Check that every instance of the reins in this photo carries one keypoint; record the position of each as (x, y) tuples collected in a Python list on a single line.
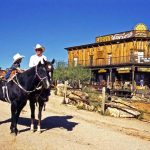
[(38, 87)]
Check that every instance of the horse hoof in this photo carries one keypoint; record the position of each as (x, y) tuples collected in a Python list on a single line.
[(32, 130), (13, 133), (38, 129), (39, 132)]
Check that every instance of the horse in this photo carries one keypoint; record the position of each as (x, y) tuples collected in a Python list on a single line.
[(40, 96), (17, 90)]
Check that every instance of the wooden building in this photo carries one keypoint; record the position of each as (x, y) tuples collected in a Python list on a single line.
[(124, 56)]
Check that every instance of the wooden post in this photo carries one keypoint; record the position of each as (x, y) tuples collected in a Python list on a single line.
[(65, 92), (103, 99), (110, 78), (133, 74)]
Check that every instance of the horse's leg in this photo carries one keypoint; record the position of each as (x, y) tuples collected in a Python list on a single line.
[(44, 106), (32, 107), (41, 104), (19, 109), (13, 126)]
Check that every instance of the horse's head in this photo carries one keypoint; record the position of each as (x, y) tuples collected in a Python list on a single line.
[(45, 72), (50, 68), (42, 75)]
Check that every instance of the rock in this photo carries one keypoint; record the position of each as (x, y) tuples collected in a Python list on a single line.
[(81, 94), (113, 112), (136, 98), (126, 113), (60, 89), (75, 97), (78, 96), (53, 92), (117, 113)]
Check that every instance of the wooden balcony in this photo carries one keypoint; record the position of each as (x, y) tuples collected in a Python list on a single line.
[(115, 61)]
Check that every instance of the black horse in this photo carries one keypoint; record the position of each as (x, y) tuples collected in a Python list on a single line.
[(18, 90), (40, 97)]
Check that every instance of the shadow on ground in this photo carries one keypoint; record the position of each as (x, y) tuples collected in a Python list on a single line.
[(47, 123)]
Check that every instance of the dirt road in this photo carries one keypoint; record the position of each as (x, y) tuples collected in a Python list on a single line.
[(67, 128)]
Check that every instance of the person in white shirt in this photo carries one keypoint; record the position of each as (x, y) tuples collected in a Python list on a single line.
[(35, 59), (41, 95)]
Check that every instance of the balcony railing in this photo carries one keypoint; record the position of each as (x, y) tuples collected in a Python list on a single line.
[(115, 61)]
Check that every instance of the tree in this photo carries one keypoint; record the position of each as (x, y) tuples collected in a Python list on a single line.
[(78, 74), (60, 72), (74, 74)]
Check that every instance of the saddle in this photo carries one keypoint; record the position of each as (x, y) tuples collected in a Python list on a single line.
[(3, 73), (5, 91)]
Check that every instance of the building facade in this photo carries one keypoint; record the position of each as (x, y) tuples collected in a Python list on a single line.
[(124, 56)]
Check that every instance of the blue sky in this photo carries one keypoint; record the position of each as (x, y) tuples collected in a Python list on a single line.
[(57, 24)]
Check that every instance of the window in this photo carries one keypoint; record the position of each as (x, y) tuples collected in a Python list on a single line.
[(109, 59), (75, 61), (140, 57), (100, 54), (91, 60)]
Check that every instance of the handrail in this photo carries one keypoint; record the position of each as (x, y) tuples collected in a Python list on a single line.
[(140, 59)]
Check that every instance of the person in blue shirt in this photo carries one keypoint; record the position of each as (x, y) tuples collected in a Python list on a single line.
[(15, 66)]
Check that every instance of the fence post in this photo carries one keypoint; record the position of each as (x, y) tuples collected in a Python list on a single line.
[(65, 92), (133, 74), (103, 99)]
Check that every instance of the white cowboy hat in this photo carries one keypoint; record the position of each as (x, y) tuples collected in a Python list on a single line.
[(17, 57), (38, 46)]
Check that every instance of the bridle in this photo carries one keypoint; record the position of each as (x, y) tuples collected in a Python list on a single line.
[(40, 78), (38, 87)]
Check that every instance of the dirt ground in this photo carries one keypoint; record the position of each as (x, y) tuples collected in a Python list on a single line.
[(67, 128)]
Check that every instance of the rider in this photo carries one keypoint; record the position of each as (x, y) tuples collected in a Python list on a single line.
[(17, 59), (35, 59)]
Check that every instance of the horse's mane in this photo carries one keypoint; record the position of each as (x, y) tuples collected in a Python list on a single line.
[(28, 70), (24, 72)]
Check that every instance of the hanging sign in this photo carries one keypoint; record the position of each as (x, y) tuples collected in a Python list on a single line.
[(144, 69), (102, 71), (124, 70)]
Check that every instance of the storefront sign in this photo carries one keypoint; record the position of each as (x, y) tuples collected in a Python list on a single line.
[(103, 39), (140, 34), (144, 69), (122, 35), (146, 60), (102, 71), (124, 70)]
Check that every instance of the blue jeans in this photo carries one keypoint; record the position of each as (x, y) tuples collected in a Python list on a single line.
[(8, 74)]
